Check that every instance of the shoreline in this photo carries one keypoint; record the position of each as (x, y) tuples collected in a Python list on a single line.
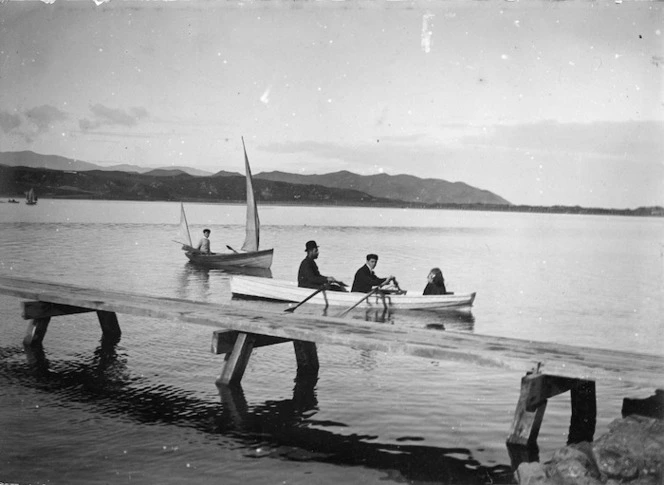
[(572, 210)]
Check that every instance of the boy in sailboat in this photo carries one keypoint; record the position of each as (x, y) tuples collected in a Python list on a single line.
[(204, 244)]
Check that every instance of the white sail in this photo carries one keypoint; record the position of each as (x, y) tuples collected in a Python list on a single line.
[(183, 236), (30, 197), (253, 225)]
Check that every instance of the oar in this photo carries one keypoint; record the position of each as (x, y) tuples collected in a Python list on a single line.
[(376, 289), (231, 248), (292, 309)]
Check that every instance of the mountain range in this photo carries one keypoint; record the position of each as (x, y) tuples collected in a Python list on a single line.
[(56, 176)]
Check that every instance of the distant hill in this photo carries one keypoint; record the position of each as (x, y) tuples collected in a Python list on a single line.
[(399, 187), (35, 160), (177, 186), (396, 188), (55, 162)]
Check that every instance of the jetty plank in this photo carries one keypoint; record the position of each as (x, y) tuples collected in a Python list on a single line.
[(521, 355)]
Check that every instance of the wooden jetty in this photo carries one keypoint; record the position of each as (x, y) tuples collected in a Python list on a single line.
[(548, 369)]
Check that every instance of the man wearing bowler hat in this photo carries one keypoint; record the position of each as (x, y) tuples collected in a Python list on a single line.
[(308, 275)]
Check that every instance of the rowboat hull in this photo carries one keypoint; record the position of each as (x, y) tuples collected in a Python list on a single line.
[(254, 259), (287, 291)]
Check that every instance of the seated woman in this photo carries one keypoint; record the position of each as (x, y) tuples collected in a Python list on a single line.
[(436, 284)]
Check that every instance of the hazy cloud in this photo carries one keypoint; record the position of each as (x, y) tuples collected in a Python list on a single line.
[(638, 140), (9, 121), (104, 116), (31, 123), (44, 116)]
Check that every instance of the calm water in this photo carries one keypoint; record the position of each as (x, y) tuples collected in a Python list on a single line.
[(147, 411)]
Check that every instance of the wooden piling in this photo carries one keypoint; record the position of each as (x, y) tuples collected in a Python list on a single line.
[(36, 330), (306, 356), (536, 389), (110, 327), (528, 419), (236, 361), (584, 412)]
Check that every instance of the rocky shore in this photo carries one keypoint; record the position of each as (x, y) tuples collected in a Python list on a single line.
[(632, 452)]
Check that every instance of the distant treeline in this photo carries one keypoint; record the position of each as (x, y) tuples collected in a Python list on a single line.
[(655, 211)]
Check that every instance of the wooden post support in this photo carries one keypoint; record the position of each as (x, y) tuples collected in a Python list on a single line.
[(223, 341), (652, 407), (234, 405), (528, 419), (41, 312), (584, 412), (536, 388), (109, 325), (41, 309), (236, 361), (36, 331), (307, 358)]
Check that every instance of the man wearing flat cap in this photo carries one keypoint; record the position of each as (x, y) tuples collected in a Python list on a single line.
[(308, 275)]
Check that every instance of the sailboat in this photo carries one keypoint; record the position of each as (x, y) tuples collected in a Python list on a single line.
[(30, 197), (251, 256)]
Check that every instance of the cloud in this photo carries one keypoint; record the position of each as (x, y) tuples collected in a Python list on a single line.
[(640, 141), (44, 116), (601, 164), (104, 116), (31, 123), (9, 121), (635, 141)]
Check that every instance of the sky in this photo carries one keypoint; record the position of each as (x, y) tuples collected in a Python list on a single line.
[(541, 102)]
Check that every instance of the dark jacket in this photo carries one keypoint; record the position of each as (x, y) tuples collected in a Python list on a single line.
[(435, 288), (365, 279), (308, 275)]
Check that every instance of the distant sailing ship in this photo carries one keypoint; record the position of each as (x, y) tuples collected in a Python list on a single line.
[(30, 197)]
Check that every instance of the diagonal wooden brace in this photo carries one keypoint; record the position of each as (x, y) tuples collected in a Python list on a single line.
[(236, 361)]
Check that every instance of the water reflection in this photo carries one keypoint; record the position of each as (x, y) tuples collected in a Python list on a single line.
[(287, 429), (194, 281), (107, 368), (458, 320), (282, 429), (241, 270), (453, 320)]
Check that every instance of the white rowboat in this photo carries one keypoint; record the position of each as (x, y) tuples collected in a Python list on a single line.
[(288, 291)]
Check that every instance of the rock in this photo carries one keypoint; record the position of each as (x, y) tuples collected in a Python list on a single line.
[(532, 474), (634, 447), (571, 471), (581, 453), (631, 453)]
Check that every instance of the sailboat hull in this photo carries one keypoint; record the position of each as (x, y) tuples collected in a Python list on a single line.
[(253, 259)]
